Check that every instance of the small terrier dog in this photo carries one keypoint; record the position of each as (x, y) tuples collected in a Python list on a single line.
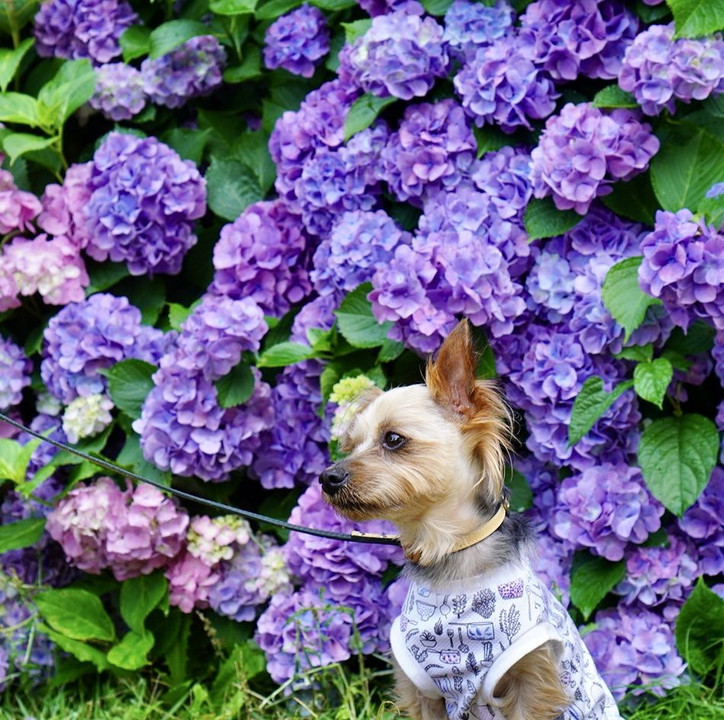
[(479, 637)]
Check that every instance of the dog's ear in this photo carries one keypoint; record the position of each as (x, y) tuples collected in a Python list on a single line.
[(451, 377)]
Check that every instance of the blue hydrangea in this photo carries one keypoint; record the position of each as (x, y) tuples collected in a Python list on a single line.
[(119, 93), (297, 40), (472, 25), (15, 371), (143, 204)]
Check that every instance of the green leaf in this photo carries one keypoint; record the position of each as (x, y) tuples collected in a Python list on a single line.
[(71, 87), (713, 210), (489, 139), (436, 7), (131, 456), (83, 651), (177, 314), (170, 35), (355, 320), (700, 629), (699, 338), (687, 165), (623, 296), (14, 459), (249, 68), (613, 97), (390, 350), (79, 614), (521, 495), (232, 187), (10, 62), (104, 275), (276, 8), (129, 383), (542, 219), (285, 353), (18, 144), (236, 387), (333, 5), (590, 404), (331, 375), (694, 18), (364, 112), (633, 199), (18, 108), (132, 651), (189, 144), (252, 149), (21, 534), (14, 14), (356, 29), (651, 380), (233, 7), (135, 42), (677, 456), (592, 578), (139, 597), (639, 353)]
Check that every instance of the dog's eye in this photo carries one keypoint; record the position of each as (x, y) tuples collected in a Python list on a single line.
[(393, 441)]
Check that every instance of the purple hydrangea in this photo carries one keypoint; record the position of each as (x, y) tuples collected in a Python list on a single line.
[(401, 55), (15, 371), (143, 204), (659, 70), (433, 148), (193, 69), (297, 40), (604, 508), (683, 265), (635, 651), (89, 336), (585, 36), (358, 244), (262, 256), (702, 523), (119, 92), (502, 85), (82, 28), (504, 176), (553, 565), (471, 25), (582, 151)]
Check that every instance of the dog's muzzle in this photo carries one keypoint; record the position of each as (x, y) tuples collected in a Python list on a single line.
[(334, 478)]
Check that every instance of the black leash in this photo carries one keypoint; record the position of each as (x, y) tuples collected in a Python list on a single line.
[(355, 536)]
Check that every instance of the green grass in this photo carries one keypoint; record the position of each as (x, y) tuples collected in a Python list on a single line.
[(362, 695)]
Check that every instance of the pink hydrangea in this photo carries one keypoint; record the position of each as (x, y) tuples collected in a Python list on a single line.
[(189, 582), (17, 207)]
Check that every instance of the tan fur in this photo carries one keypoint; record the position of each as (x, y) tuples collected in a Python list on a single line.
[(439, 487)]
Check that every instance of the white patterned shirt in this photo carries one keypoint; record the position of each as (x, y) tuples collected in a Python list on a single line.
[(459, 643)]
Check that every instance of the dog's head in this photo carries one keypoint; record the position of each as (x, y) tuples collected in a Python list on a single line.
[(422, 449)]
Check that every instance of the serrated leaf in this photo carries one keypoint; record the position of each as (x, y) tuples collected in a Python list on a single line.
[(231, 187), (694, 18), (189, 144), (18, 108), (357, 324), (21, 534), (233, 7), (613, 96), (356, 29), (19, 144), (639, 353), (542, 219), (713, 210), (139, 597), (177, 314), (364, 112), (285, 353), (129, 383), (104, 275), (248, 69), (700, 629), (592, 578), (252, 149), (170, 35), (677, 456), (590, 404), (10, 62), (521, 495), (699, 338), (687, 165), (651, 380), (489, 139), (80, 650), (276, 8), (623, 297), (132, 651), (69, 89), (390, 350), (135, 42), (633, 199), (331, 375), (14, 459), (436, 7), (236, 387), (14, 14), (78, 614), (333, 5)]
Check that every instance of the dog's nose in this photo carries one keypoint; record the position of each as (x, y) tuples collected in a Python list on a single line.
[(334, 478)]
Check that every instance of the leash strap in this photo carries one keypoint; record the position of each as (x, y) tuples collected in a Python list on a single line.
[(360, 537)]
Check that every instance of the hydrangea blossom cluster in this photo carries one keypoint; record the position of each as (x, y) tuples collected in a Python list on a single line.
[(193, 69), (470, 26), (132, 532), (659, 70), (86, 416), (400, 55), (82, 28), (635, 651), (190, 580), (261, 255), (297, 40), (143, 203), (119, 92), (684, 266), (583, 150), (604, 508), (346, 395), (15, 371), (89, 336), (17, 207), (212, 539), (433, 148)]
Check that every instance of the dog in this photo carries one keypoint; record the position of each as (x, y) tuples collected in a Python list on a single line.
[(479, 637)]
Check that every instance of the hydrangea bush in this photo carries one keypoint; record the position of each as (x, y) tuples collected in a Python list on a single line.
[(220, 222)]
